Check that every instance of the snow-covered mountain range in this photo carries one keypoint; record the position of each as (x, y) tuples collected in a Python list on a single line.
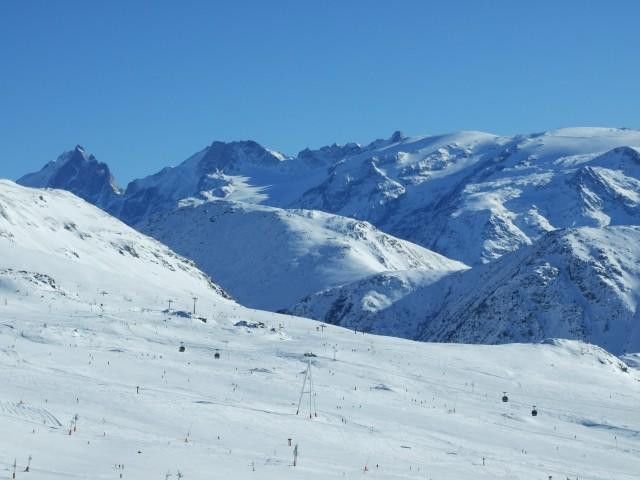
[(101, 380), (469, 196)]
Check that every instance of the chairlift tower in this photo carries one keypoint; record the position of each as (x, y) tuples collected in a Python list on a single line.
[(308, 377), (195, 299)]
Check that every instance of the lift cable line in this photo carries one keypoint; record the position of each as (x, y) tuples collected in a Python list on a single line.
[(308, 377)]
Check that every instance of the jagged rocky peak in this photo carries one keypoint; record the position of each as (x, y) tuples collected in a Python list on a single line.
[(80, 173), (397, 136), (329, 154), (225, 156), (78, 154)]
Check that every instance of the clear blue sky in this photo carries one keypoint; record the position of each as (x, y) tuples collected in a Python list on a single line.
[(143, 85)]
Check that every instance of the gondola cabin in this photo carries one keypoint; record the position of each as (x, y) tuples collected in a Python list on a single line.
[(534, 412), (505, 399)]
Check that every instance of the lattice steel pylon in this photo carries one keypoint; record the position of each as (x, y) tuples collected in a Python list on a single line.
[(313, 411)]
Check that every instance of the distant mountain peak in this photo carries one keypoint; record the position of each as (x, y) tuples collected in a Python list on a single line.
[(329, 154), (80, 173), (397, 136), (78, 155), (231, 155)]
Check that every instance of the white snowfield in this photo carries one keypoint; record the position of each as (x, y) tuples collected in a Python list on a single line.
[(270, 258), (94, 391)]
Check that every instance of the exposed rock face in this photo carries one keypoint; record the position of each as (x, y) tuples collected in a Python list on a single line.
[(80, 173)]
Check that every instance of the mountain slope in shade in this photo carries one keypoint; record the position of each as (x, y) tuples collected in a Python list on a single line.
[(578, 283), (55, 238), (80, 173), (270, 258), (374, 303), (582, 283)]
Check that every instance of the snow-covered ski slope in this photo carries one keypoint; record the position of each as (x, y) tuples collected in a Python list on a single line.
[(416, 410), (401, 409)]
